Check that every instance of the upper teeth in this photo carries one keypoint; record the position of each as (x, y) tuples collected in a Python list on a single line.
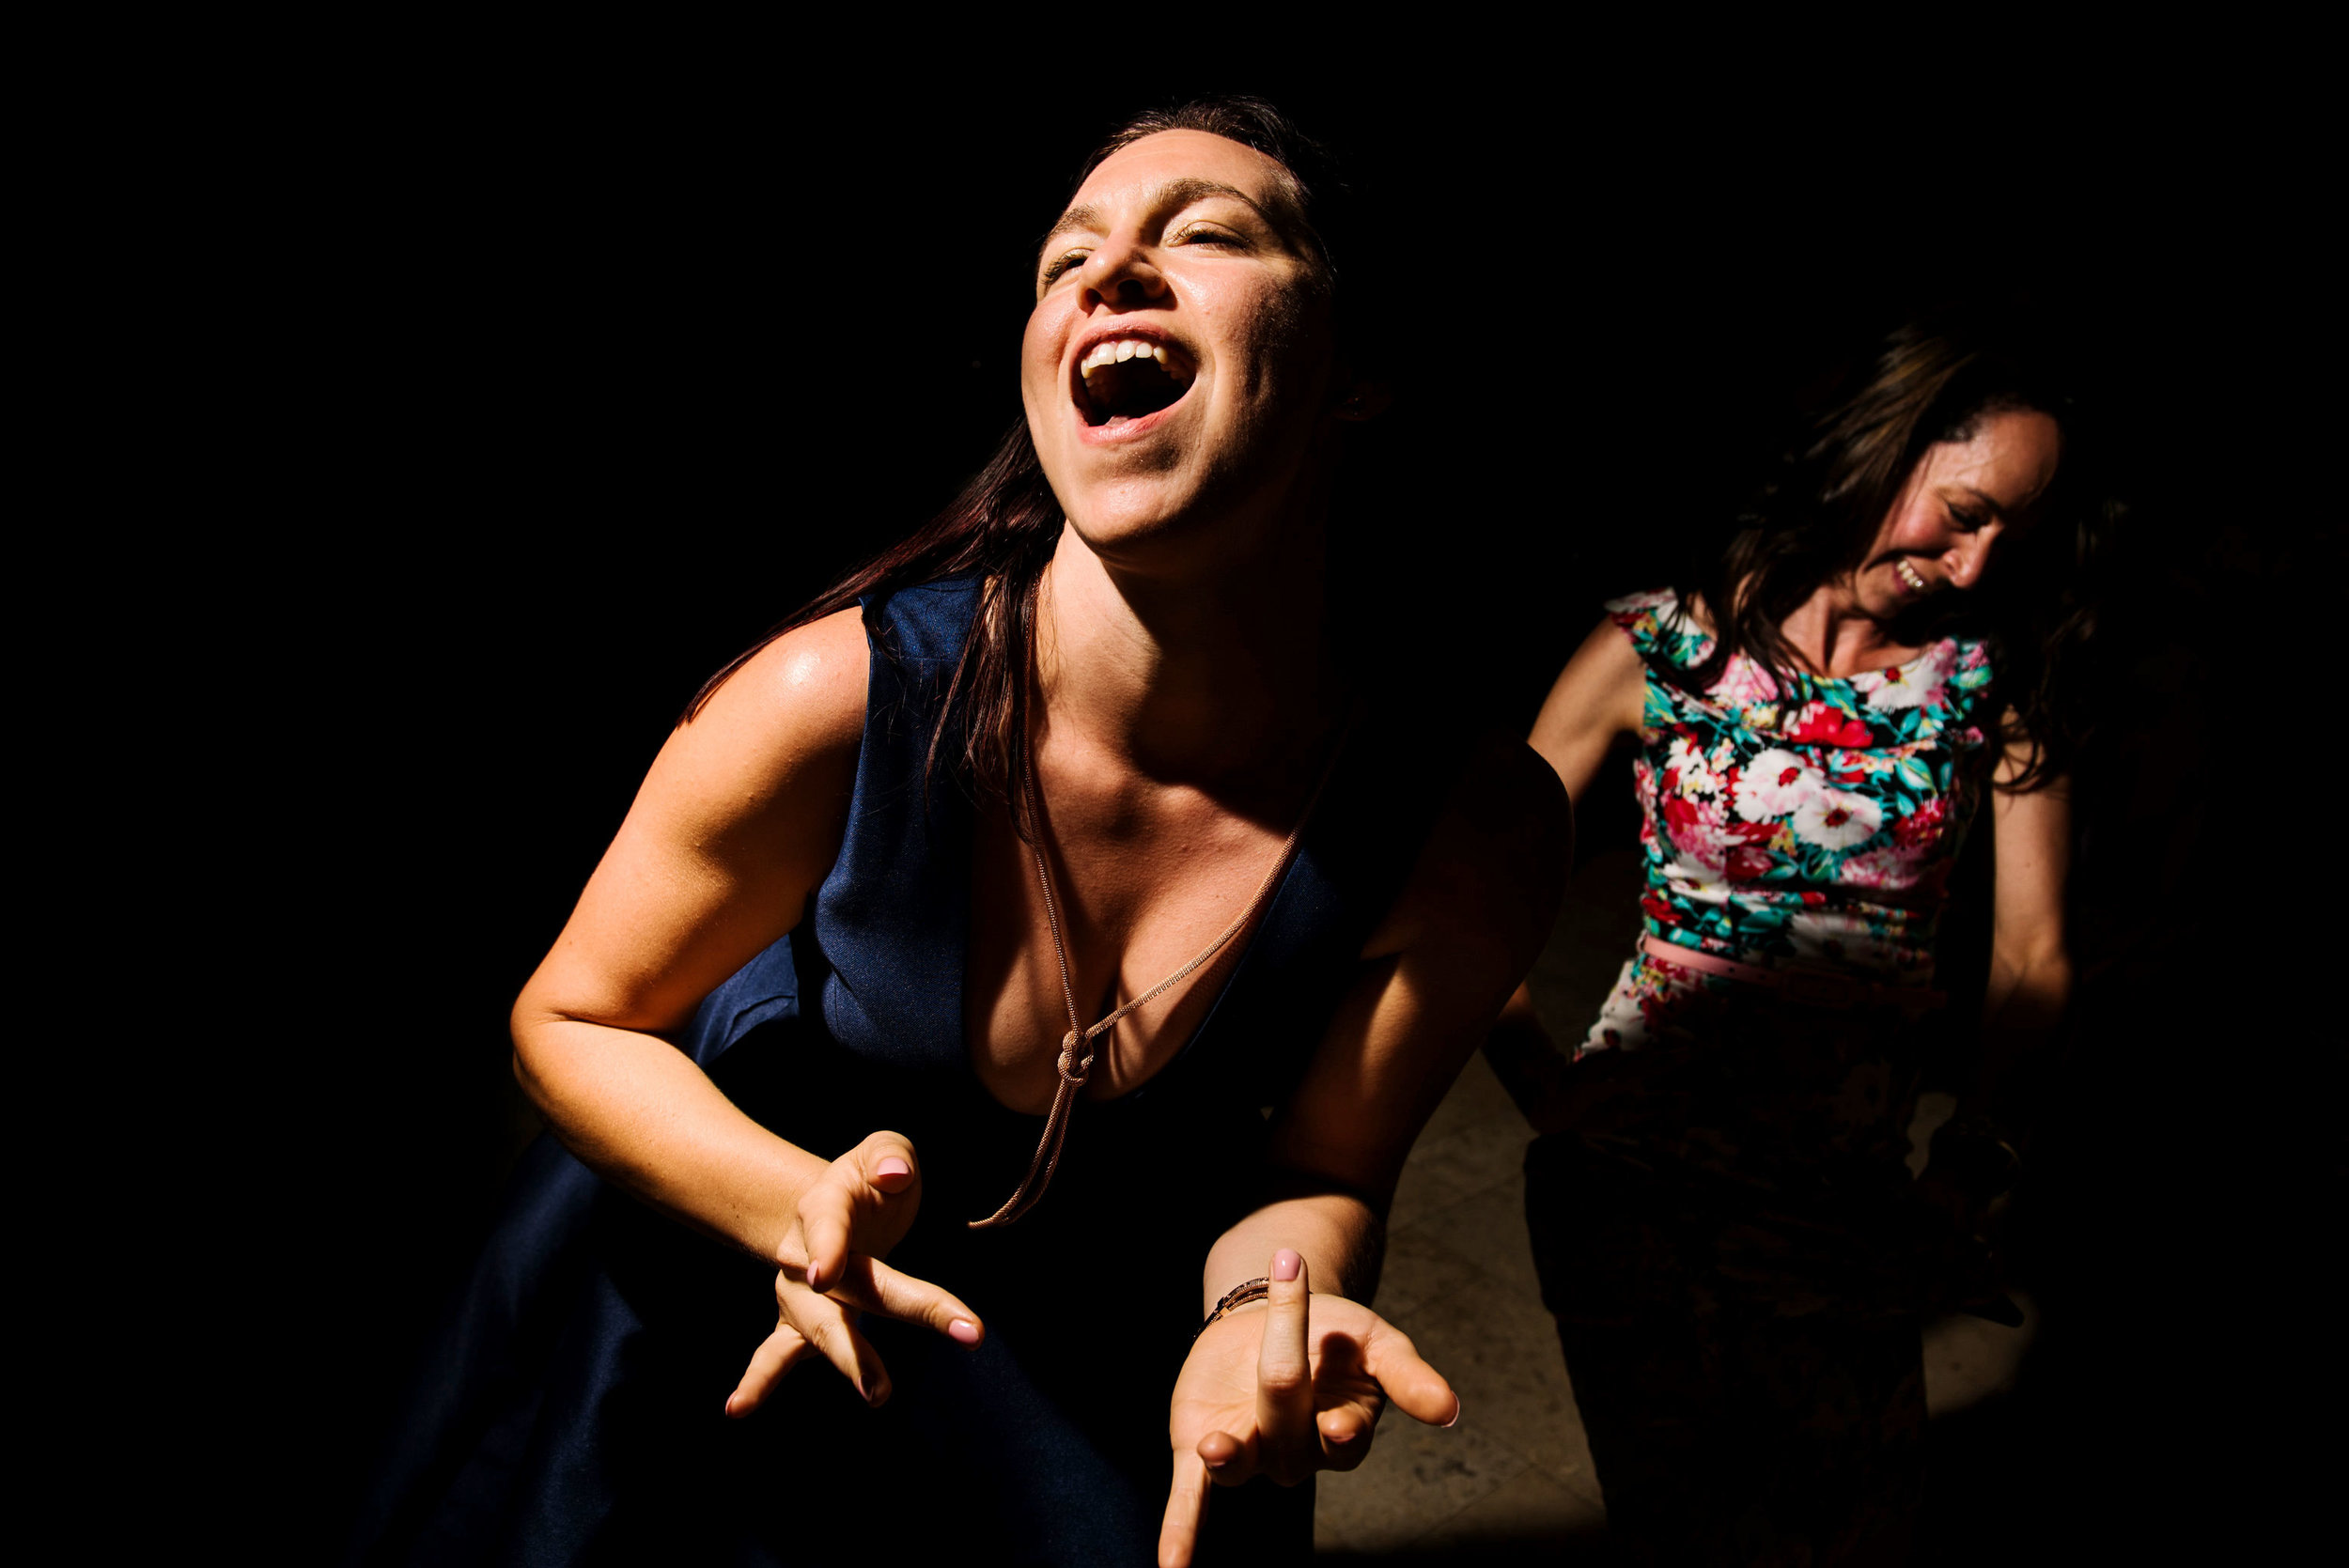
[(1909, 575), (1116, 351)]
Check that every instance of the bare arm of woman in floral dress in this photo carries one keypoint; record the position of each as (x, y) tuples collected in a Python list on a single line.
[(1595, 707), (2030, 967)]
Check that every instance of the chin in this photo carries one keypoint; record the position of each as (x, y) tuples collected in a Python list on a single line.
[(1127, 518), (1174, 536)]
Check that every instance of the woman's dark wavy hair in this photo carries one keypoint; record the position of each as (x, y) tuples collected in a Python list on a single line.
[(1006, 522), (1933, 381)]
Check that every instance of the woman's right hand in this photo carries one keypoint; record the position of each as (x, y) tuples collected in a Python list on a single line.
[(831, 1271)]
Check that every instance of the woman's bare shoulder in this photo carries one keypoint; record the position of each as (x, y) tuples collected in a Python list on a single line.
[(1607, 654), (802, 694), (784, 729), (740, 819), (1601, 695)]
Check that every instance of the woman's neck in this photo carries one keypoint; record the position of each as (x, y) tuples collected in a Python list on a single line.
[(1190, 682), (1830, 632)]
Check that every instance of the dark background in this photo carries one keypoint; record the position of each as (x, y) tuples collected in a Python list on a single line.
[(556, 384)]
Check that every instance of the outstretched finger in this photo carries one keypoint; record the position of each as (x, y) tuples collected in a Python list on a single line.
[(1413, 1387), (831, 1329), (776, 1355), (870, 1285), (1285, 1375), (1186, 1508)]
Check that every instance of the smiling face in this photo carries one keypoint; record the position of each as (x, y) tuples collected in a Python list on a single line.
[(1176, 367), (1961, 499)]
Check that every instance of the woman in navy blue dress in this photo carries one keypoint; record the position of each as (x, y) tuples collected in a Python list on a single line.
[(1043, 945)]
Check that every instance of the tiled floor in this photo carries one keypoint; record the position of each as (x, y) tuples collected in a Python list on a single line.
[(1512, 1482)]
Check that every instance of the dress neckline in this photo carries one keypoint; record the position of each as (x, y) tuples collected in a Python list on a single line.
[(1246, 943), (1680, 616)]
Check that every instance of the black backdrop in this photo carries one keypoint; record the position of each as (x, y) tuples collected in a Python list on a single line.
[(562, 386)]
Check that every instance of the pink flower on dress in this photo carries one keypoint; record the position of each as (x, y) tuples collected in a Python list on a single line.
[(1837, 819), (1890, 868), (1775, 783), (1743, 682), (1699, 828)]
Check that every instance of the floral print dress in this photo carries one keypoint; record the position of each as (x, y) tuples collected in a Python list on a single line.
[(1815, 824)]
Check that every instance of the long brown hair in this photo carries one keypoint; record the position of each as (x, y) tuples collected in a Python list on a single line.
[(1932, 381), (1005, 523)]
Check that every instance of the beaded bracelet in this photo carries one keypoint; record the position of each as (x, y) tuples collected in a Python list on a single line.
[(1237, 1296)]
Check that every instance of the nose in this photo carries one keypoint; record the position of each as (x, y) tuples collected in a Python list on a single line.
[(1969, 557), (1121, 272)]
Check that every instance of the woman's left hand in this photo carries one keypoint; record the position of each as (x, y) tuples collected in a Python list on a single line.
[(1295, 1387)]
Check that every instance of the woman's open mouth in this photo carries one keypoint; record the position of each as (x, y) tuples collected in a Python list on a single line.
[(1122, 379)]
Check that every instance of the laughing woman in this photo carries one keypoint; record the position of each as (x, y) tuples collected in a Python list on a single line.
[(1729, 1237), (1003, 1015)]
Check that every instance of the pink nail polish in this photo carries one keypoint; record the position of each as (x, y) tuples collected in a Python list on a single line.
[(892, 1166), (963, 1331), (1286, 1264)]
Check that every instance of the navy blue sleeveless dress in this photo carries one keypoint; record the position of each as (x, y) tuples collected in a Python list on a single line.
[(574, 1409)]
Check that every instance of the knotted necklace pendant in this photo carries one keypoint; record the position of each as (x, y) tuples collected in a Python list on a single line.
[(1075, 1068)]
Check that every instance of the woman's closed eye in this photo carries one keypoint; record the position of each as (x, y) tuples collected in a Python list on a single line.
[(1206, 236), (1060, 264)]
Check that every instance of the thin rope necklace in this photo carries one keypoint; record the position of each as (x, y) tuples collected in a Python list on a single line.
[(1077, 1047)]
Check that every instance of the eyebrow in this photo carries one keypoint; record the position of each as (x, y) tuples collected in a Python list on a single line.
[(1171, 196), (1997, 510)]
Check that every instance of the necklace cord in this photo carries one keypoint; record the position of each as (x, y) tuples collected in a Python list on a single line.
[(1075, 1068)]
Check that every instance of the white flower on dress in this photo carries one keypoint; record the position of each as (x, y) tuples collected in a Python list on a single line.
[(1695, 772), (1696, 881), (1837, 819), (1775, 783), (1841, 937), (1911, 685)]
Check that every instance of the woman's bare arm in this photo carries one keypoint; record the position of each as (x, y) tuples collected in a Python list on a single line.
[(1467, 927), (2030, 965), (1297, 1384), (738, 822), (1599, 700)]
